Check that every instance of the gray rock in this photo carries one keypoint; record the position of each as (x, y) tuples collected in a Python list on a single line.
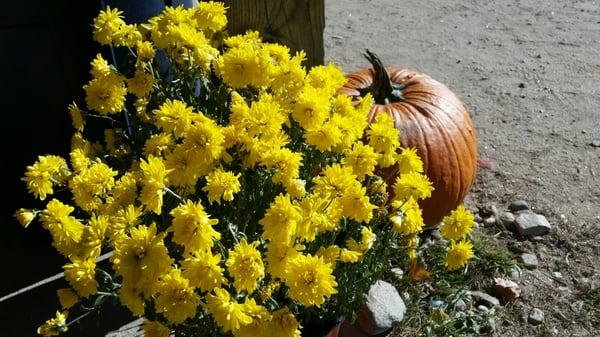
[(536, 317), (481, 297), (382, 309), (507, 220), (518, 205), (595, 143), (529, 224), (530, 261)]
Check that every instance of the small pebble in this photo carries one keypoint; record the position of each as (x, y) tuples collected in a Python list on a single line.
[(595, 143), (481, 297), (436, 304), (518, 205), (536, 317), (460, 305), (398, 272), (482, 308), (490, 221), (530, 261), (515, 273)]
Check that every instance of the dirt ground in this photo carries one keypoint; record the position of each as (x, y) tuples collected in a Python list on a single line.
[(529, 73)]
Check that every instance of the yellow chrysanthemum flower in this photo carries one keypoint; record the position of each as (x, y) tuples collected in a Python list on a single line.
[(66, 231), (280, 220), (100, 67), (458, 224), (324, 137), (356, 205), (458, 254), (81, 276), (44, 173), (242, 66), (286, 163), (154, 178), (317, 217), (278, 257), (312, 108), (246, 266), (54, 326), (185, 168), (141, 84), (174, 116), (251, 37), (329, 254), (210, 15), (335, 181), (327, 78), (127, 36), (283, 324), (362, 159), (310, 280), (176, 300), (145, 51), (384, 138), (107, 25), (192, 227), (228, 313), (25, 216), (155, 329), (221, 184), (106, 94), (350, 256), (132, 297), (91, 185), (76, 117), (158, 144), (412, 185), (204, 140), (141, 258), (408, 219), (203, 270), (409, 161)]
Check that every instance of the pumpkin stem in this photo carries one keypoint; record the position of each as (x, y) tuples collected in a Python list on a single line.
[(382, 89)]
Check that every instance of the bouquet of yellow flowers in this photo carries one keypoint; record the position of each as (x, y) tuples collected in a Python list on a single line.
[(233, 190)]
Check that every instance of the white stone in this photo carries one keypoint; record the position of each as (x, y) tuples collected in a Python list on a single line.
[(383, 308), (536, 317)]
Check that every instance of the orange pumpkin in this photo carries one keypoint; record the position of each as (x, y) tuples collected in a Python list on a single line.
[(431, 119)]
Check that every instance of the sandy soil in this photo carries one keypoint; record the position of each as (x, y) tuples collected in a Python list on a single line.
[(529, 73)]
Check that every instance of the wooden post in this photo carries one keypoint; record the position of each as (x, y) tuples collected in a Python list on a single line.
[(298, 24)]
